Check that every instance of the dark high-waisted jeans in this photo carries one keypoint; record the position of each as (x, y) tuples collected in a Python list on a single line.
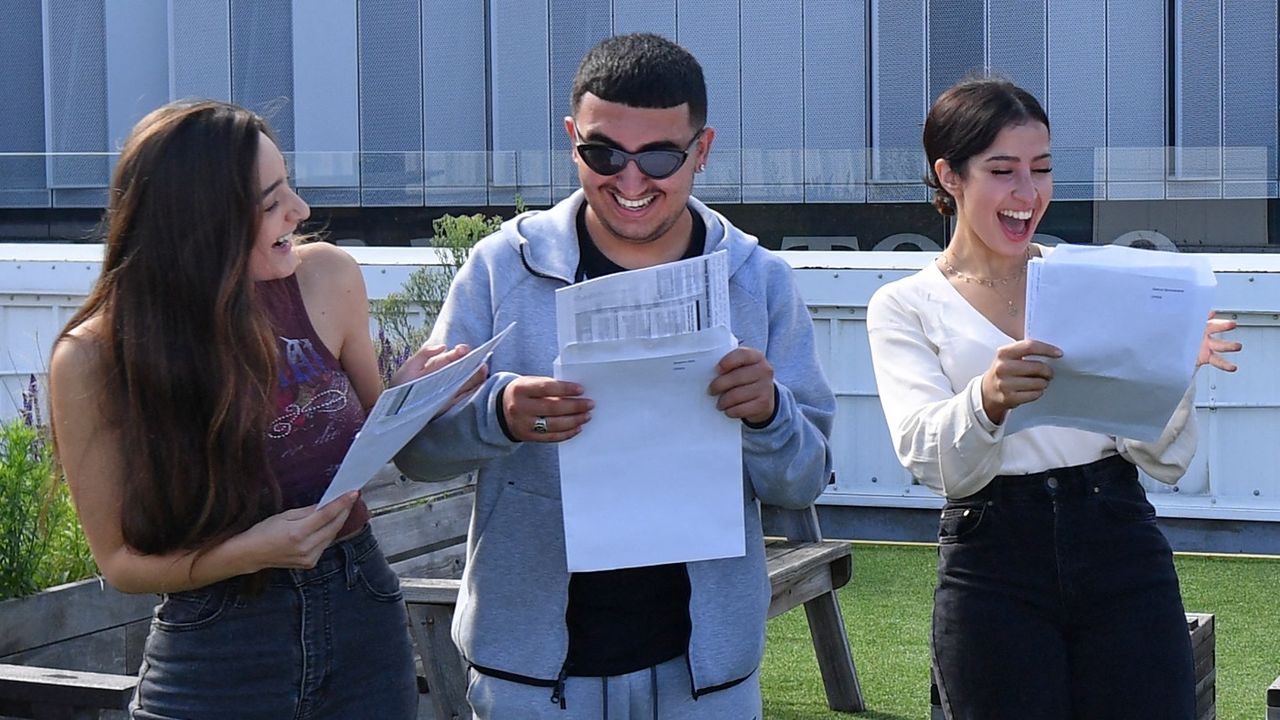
[(1057, 599), (330, 642)]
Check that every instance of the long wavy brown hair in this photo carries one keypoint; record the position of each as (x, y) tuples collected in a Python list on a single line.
[(189, 357)]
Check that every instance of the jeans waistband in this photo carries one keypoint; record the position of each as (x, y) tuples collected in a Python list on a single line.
[(335, 558), (338, 557), (1060, 481)]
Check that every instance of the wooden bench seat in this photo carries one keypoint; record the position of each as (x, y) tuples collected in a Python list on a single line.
[(422, 529), (39, 692)]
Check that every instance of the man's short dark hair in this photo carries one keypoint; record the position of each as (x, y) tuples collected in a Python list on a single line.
[(642, 70)]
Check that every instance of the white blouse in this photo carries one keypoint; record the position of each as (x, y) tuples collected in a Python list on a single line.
[(930, 349)]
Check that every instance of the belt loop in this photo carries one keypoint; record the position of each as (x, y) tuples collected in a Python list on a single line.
[(348, 563), (653, 688)]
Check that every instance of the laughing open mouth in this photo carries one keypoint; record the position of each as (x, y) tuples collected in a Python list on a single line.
[(1015, 221), (633, 204)]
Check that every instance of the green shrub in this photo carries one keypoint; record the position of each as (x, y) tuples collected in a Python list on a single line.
[(41, 543), (400, 331)]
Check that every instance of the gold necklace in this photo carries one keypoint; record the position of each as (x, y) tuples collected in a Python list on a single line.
[(994, 284)]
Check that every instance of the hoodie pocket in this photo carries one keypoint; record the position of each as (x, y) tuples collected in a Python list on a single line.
[(517, 584)]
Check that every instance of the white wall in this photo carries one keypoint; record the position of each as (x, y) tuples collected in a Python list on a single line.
[(1234, 474)]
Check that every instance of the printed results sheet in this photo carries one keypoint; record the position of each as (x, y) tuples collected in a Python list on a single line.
[(656, 475), (1129, 323), (400, 413)]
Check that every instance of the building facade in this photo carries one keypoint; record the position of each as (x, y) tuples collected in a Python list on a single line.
[(1164, 112)]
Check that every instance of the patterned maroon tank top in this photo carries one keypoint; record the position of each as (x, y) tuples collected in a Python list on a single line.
[(317, 412)]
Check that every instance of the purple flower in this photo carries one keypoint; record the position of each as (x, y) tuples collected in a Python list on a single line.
[(31, 403)]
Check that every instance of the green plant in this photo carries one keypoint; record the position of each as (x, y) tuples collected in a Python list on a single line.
[(401, 331), (41, 543)]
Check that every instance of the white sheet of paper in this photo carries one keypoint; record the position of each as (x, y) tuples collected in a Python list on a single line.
[(656, 475), (668, 299), (1129, 323), (399, 414)]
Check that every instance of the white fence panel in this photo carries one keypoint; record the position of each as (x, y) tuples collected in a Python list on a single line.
[(1233, 477)]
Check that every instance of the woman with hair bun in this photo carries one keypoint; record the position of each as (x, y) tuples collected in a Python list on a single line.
[(203, 397), (1057, 595)]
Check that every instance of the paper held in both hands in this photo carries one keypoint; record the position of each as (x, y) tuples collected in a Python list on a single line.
[(1129, 323), (400, 413), (656, 475)]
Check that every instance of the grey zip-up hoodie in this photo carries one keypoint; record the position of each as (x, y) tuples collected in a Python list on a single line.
[(510, 620)]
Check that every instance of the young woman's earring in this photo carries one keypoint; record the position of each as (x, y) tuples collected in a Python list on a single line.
[(701, 167)]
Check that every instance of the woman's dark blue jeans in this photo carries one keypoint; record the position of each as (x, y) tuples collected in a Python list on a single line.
[(1057, 599), (330, 642)]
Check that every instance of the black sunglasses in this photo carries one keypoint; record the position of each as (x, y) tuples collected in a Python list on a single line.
[(609, 160)]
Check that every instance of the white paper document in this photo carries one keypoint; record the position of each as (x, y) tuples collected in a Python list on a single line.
[(678, 297), (1129, 323), (400, 413), (656, 475)]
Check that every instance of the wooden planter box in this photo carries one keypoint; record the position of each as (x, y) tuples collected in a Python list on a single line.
[(85, 626), (1273, 700), (1200, 625)]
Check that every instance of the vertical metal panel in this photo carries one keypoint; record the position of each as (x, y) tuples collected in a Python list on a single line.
[(576, 26), (862, 449), (1197, 98), (1249, 97), (772, 101), (1077, 103), (519, 56), (326, 99), (262, 62), (76, 93), (710, 29), (27, 330), (1244, 443), (1241, 429), (391, 102), (22, 100), (1017, 43), (200, 49), (835, 100), (1136, 104), (655, 16), (898, 102), (456, 109), (137, 48), (956, 45)]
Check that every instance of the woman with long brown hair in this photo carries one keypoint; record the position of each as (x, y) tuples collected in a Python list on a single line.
[(203, 397)]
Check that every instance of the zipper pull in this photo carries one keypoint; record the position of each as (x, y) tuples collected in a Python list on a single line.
[(557, 695)]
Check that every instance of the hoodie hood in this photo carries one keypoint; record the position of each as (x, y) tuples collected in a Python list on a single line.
[(533, 235)]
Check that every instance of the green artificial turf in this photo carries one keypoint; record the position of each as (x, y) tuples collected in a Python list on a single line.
[(886, 611)]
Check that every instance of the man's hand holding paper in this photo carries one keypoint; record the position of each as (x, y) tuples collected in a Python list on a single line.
[(543, 409), (744, 386)]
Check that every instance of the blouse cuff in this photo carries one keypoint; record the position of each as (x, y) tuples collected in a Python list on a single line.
[(975, 408)]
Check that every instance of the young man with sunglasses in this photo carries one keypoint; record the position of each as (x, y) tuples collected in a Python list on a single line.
[(671, 641)]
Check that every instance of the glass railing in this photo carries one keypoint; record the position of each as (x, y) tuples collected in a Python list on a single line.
[(733, 174)]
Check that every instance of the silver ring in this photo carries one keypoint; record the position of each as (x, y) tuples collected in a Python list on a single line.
[(540, 425)]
